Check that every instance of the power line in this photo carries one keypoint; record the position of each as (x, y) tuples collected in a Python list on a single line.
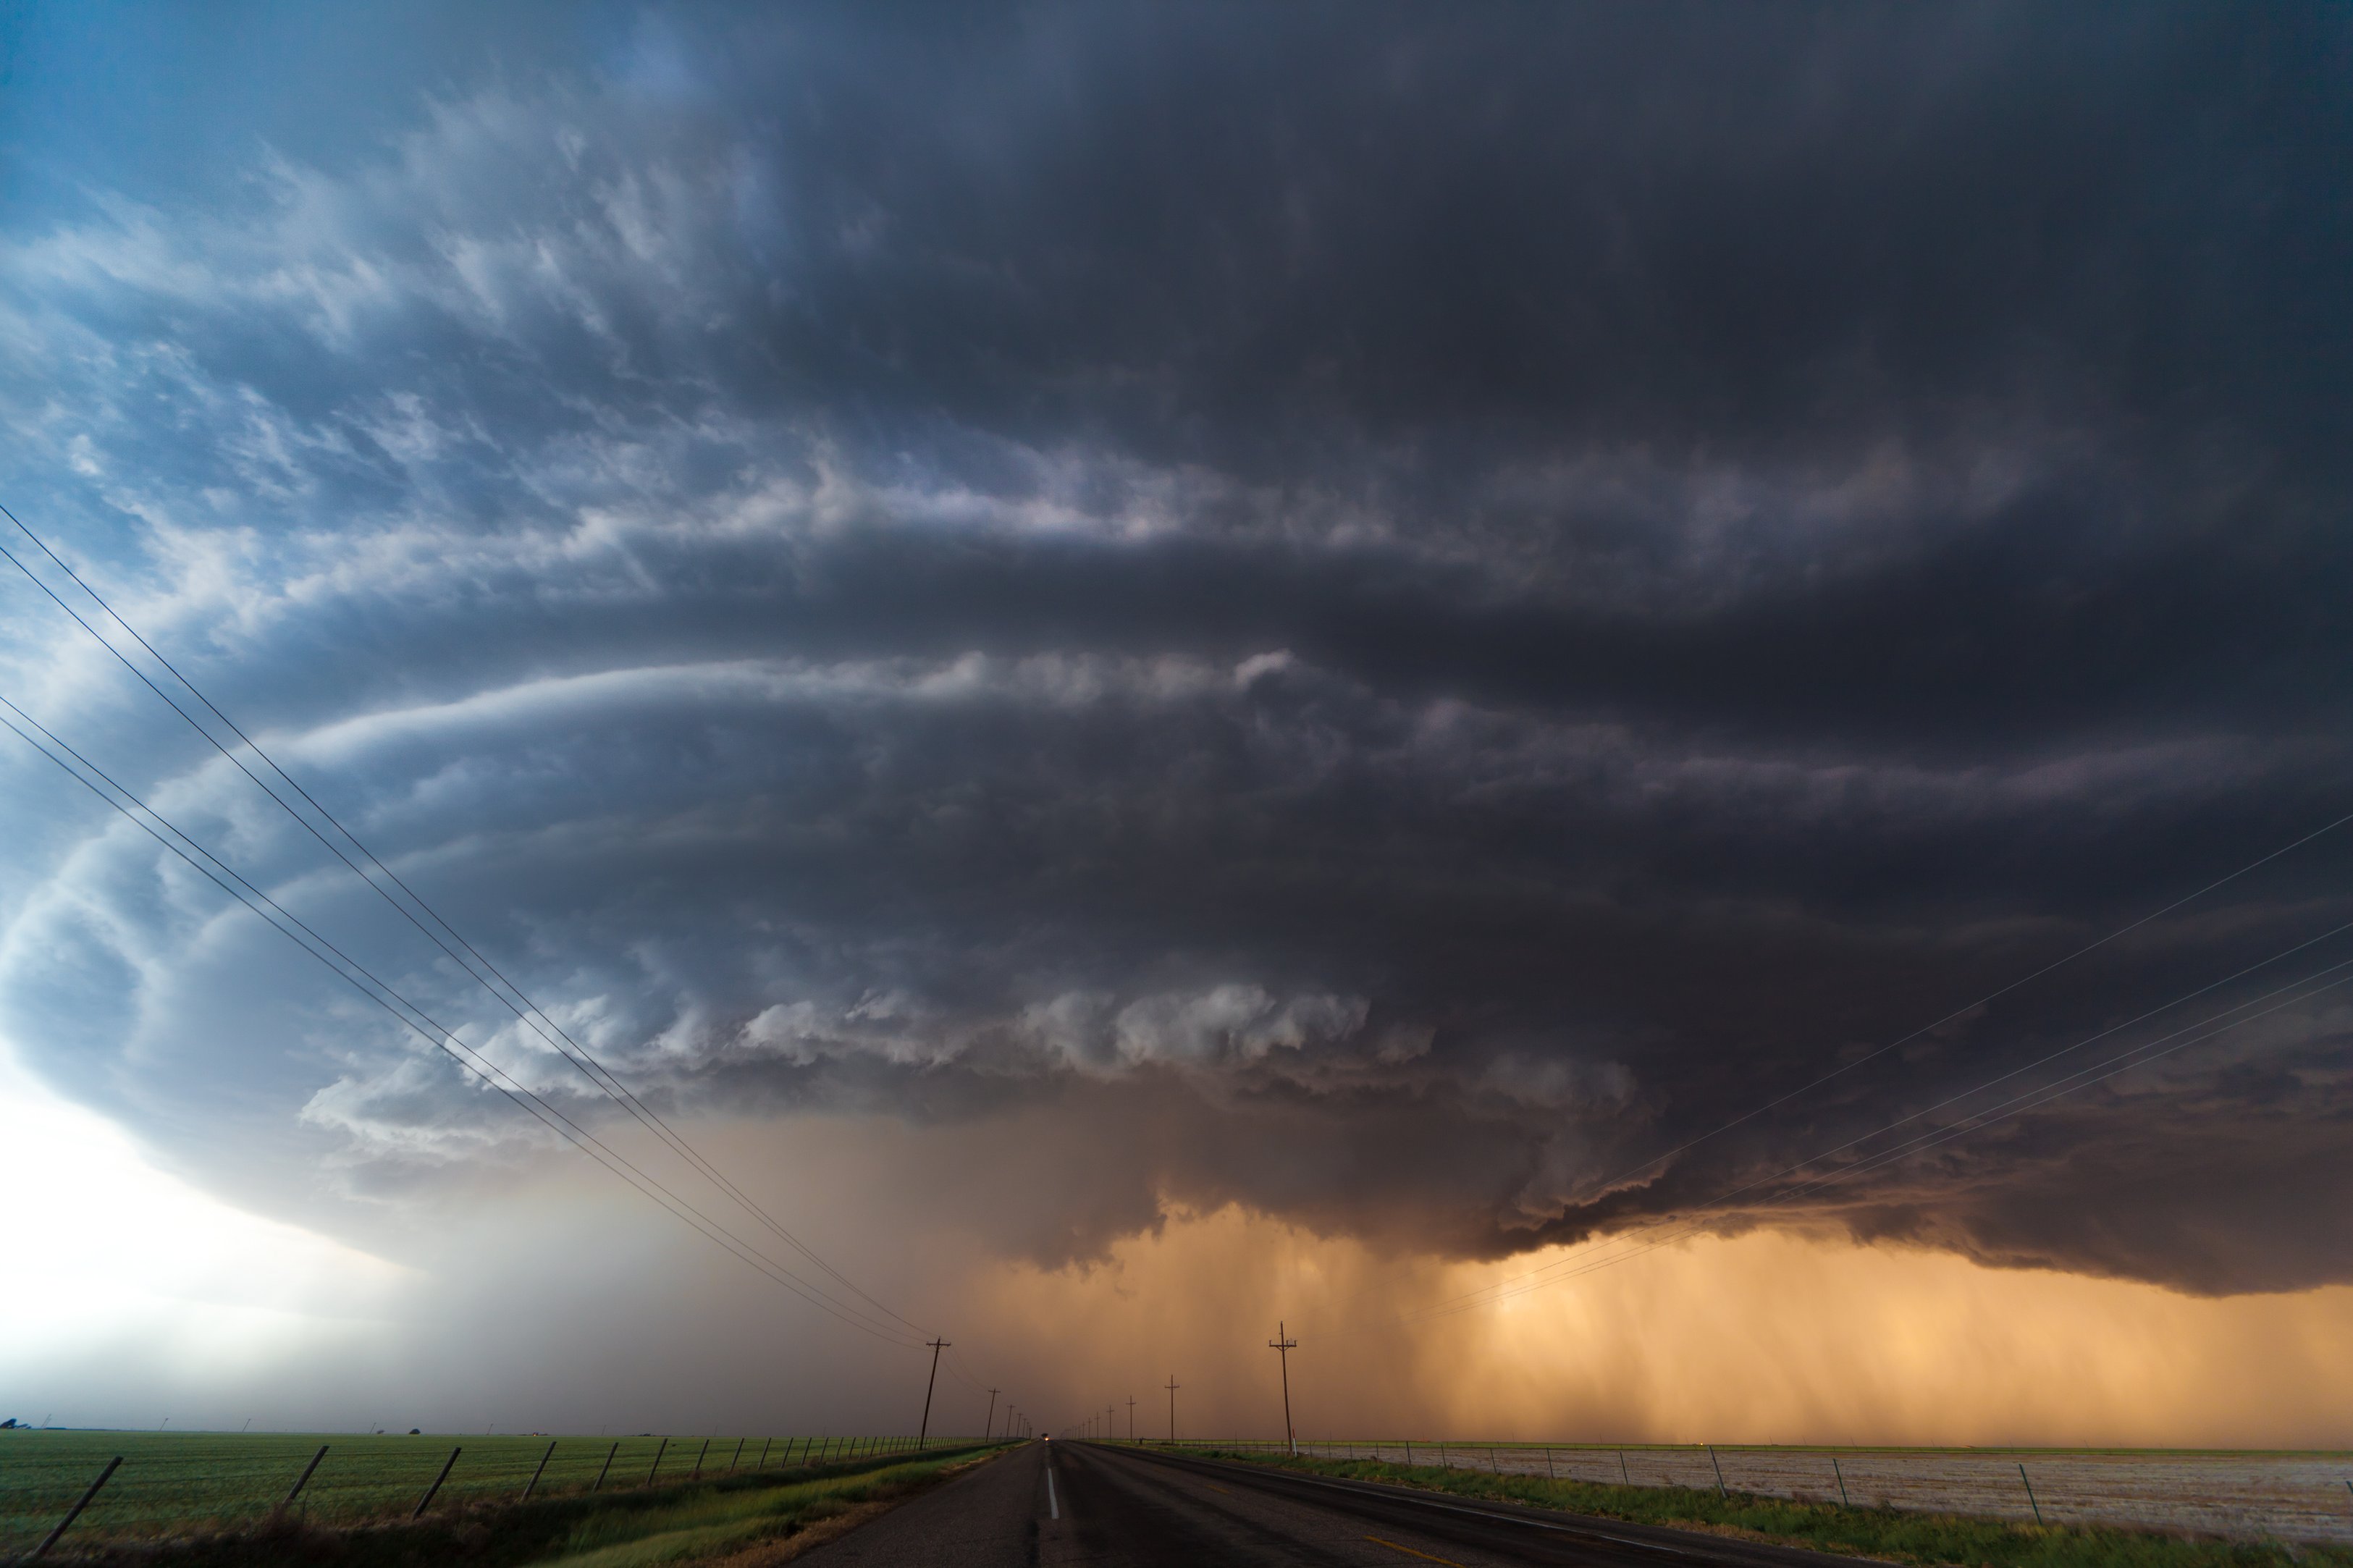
[(2031, 1100), (1576, 1266), (1989, 996), (2079, 953), (418, 1022), (581, 1059), (1678, 1227), (387, 997)]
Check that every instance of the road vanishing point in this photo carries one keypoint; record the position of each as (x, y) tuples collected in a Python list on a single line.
[(1053, 1504)]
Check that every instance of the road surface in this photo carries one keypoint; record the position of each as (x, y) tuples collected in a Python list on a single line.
[(1057, 1504)]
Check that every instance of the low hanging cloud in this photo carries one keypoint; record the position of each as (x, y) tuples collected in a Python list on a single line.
[(1411, 617)]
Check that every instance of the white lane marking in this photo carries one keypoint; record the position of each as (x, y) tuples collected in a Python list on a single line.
[(1053, 1508)]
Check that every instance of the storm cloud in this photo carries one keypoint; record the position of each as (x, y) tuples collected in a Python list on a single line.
[(1394, 615)]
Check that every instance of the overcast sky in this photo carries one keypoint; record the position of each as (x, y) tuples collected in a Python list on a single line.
[(1051, 624)]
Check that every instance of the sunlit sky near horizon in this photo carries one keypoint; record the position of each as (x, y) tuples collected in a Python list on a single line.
[(1434, 674)]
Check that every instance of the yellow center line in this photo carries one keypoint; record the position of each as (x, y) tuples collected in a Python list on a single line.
[(1409, 1551), (1215, 1488)]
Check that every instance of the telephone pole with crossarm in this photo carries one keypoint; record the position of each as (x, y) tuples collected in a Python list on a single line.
[(937, 1346), (1283, 1344)]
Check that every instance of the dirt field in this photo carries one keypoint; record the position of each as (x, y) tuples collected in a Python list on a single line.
[(2244, 1495)]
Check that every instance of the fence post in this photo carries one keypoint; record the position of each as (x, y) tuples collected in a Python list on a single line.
[(1841, 1480), (2030, 1494), (698, 1461), (1712, 1459), (74, 1512), (446, 1464), (532, 1485), (657, 1465), (1409, 1453), (1624, 1473), (607, 1466), (762, 1463), (304, 1478), (1548, 1475), (1494, 1465)]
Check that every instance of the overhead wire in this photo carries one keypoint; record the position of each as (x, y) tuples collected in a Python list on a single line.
[(2124, 1062), (1989, 997), (2079, 953), (1685, 1222), (2027, 1067), (418, 1022), (534, 1017), (1575, 1265), (529, 1013)]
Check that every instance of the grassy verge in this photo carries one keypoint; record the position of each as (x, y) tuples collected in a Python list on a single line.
[(1926, 1539), (694, 1522)]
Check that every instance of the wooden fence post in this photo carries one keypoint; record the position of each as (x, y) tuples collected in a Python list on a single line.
[(304, 1478), (1712, 1459), (1841, 1481), (607, 1466), (436, 1487), (532, 1485), (74, 1512), (698, 1461), (2030, 1494), (657, 1465)]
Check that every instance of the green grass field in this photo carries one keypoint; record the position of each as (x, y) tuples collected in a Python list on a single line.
[(171, 1484)]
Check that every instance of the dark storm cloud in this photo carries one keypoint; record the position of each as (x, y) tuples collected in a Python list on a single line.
[(1403, 613)]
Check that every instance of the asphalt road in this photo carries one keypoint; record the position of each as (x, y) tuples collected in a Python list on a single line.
[(1053, 1504)]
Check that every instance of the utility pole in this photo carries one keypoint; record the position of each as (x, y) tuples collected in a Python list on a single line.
[(988, 1428), (1131, 1418), (1172, 1407), (1283, 1344), (937, 1346)]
